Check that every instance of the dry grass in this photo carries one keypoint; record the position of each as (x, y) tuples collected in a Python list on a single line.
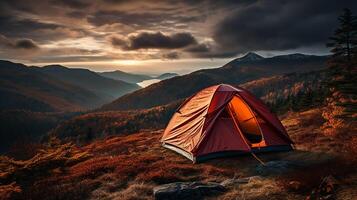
[(129, 166)]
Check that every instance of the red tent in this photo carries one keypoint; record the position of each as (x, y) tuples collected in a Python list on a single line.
[(223, 120)]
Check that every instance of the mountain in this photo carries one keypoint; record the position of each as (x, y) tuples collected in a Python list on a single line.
[(251, 56), (277, 91), (166, 76), (125, 76), (22, 87), (19, 127), (134, 78), (106, 88), (55, 88), (236, 72)]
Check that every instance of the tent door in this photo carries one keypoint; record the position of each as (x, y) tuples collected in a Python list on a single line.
[(246, 120)]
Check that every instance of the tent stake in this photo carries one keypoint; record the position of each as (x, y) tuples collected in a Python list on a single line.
[(256, 157)]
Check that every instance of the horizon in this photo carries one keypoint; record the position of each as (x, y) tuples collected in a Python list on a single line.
[(154, 38), (191, 69)]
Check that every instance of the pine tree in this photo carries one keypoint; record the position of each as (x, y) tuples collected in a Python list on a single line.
[(344, 41)]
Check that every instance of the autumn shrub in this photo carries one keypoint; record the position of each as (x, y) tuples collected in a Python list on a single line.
[(131, 166), (24, 150), (160, 176), (96, 166), (9, 191), (136, 191), (312, 175), (60, 189)]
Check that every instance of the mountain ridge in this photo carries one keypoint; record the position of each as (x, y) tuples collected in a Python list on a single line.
[(32, 88), (234, 72), (125, 76), (134, 78)]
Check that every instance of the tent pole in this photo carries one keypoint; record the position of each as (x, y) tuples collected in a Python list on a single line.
[(256, 157)]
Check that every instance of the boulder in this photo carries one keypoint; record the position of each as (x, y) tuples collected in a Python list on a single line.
[(237, 181), (187, 190)]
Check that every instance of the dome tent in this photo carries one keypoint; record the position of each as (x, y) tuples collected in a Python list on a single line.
[(223, 120)]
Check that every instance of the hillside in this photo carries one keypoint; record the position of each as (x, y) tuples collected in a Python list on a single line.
[(289, 92), (134, 78), (236, 72), (125, 76), (118, 155), (88, 127), (166, 76), (292, 91), (19, 129), (22, 87), (108, 89), (130, 166)]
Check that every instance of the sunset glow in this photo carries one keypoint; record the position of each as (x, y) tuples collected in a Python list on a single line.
[(154, 37)]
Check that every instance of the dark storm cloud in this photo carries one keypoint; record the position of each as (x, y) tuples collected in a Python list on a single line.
[(279, 25), (118, 42), (217, 29), (19, 5), (75, 4), (42, 32), (158, 40), (25, 44), (76, 14), (11, 26), (143, 19), (199, 48), (171, 55)]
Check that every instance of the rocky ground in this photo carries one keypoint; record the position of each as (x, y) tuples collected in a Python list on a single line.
[(131, 166)]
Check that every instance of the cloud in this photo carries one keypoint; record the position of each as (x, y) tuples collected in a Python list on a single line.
[(75, 4), (199, 48), (25, 44), (139, 19), (171, 55), (279, 25), (42, 32), (216, 29), (158, 40)]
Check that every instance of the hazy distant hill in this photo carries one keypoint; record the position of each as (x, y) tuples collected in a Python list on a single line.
[(125, 76), (22, 87), (134, 78), (166, 76), (238, 71), (55, 88), (18, 127), (294, 91), (106, 88)]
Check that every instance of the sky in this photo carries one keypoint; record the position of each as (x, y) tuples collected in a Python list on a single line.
[(153, 37)]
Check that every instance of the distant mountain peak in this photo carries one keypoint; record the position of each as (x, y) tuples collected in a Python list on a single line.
[(55, 66), (166, 76), (250, 56), (294, 56)]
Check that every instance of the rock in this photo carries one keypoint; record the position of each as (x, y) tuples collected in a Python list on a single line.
[(329, 184), (187, 190), (234, 181), (294, 185), (276, 167), (326, 189)]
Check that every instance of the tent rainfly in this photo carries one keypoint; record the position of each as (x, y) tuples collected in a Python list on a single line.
[(223, 120)]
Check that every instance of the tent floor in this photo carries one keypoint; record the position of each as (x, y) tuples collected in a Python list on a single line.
[(227, 153), (222, 154)]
